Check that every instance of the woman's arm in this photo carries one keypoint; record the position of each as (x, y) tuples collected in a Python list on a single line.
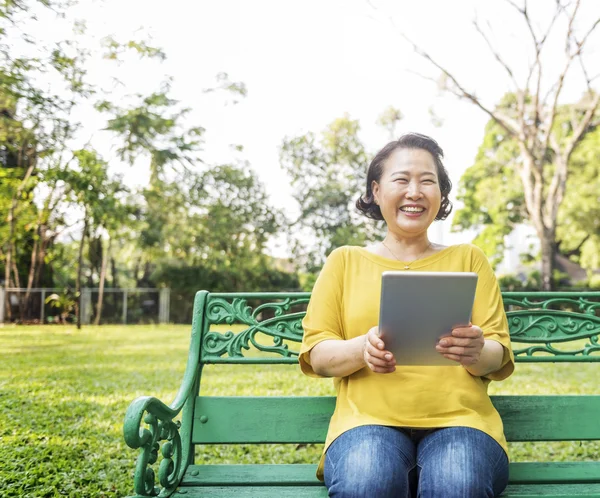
[(340, 358), (490, 359)]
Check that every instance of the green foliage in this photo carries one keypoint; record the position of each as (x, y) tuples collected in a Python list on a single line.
[(65, 395), (235, 88), (64, 303), (492, 193), (389, 119), (219, 233), (579, 217), (594, 282), (328, 173), (154, 128), (189, 221), (115, 50), (493, 196), (533, 282)]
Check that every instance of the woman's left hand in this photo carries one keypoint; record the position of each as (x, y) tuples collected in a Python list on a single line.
[(463, 346)]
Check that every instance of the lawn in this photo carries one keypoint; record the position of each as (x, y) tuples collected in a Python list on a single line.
[(63, 394)]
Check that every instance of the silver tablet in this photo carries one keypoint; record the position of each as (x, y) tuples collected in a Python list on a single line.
[(418, 308)]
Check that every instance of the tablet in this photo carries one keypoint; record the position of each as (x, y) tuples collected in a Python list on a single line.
[(418, 308)]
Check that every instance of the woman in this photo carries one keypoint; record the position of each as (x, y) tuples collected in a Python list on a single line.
[(407, 431)]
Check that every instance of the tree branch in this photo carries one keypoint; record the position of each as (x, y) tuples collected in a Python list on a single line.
[(496, 54), (507, 123), (559, 179), (561, 79), (583, 125), (577, 250)]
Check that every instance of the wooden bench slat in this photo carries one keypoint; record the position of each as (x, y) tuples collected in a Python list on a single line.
[(252, 474), (253, 492), (550, 490), (512, 491), (295, 419), (554, 472), (549, 418), (304, 474)]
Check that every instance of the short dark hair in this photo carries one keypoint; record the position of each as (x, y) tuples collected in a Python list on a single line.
[(366, 203)]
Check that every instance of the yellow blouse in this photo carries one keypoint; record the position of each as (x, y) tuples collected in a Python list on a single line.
[(345, 304)]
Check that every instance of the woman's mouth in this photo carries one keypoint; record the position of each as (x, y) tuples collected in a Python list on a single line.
[(412, 211)]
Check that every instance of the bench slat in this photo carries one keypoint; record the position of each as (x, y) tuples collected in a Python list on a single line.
[(549, 418), (512, 491), (304, 474), (554, 472), (294, 419)]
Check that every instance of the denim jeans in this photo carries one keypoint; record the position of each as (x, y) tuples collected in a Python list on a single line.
[(378, 462)]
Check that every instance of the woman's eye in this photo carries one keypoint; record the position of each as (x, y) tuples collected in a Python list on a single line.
[(429, 182), (402, 180)]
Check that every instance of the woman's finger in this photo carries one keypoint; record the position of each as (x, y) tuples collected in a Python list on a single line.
[(377, 369), (379, 362), (377, 353), (456, 341), (458, 350), (375, 341)]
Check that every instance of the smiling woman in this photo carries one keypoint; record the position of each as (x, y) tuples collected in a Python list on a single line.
[(396, 430)]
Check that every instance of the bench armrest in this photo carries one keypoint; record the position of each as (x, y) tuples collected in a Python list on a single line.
[(158, 417)]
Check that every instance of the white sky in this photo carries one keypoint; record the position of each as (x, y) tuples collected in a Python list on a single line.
[(307, 62)]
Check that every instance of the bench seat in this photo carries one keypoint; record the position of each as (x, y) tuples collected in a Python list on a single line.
[(546, 473), (249, 477)]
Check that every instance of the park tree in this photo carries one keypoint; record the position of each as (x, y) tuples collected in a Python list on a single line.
[(389, 120), (221, 241), (97, 195), (196, 222), (544, 166), (328, 171), (493, 199), (41, 91)]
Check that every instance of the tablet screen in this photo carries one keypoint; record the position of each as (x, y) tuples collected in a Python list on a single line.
[(418, 308)]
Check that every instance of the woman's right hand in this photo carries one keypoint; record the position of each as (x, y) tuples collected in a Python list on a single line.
[(376, 357)]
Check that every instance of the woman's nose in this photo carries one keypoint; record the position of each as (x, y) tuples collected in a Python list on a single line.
[(413, 191)]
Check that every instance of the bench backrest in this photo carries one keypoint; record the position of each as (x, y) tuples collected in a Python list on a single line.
[(265, 328)]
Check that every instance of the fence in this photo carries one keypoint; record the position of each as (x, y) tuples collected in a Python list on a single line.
[(137, 305)]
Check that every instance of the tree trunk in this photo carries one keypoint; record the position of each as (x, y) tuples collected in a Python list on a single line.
[(113, 271), (105, 256), (12, 221), (6, 302), (18, 286), (34, 259), (79, 268), (44, 243), (548, 245)]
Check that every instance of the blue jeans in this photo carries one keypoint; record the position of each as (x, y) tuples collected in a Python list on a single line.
[(379, 461)]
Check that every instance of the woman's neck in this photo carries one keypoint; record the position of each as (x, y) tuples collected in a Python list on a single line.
[(407, 247)]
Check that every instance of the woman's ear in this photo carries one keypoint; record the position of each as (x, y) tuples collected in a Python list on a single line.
[(375, 190)]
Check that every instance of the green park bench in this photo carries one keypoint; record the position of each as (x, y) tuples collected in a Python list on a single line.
[(544, 327)]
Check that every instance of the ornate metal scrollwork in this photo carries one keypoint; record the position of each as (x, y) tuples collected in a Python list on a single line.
[(158, 428), (281, 325), (555, 326), (539, 319), (548, 322)]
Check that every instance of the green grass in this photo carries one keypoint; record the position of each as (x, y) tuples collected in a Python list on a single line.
[(63, 395)]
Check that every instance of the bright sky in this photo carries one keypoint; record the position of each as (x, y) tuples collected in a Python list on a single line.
[(307, 62)]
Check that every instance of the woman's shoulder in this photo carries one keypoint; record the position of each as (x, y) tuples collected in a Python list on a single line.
[(473, 256), (345, 255), (467, 249), (344, 251)]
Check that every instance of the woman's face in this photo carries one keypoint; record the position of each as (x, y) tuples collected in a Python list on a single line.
[(408, 192)]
